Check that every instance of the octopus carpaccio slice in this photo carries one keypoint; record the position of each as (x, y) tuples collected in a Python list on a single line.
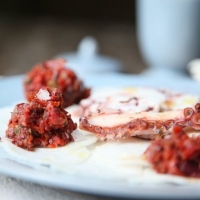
[(134, 99), (135, 111), (149, 125)]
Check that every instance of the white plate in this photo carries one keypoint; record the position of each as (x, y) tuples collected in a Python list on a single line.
[(12, 91)]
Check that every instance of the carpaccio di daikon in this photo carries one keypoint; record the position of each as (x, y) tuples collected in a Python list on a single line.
[(120, 159)]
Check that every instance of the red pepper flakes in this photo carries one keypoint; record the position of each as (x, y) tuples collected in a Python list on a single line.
[(54, 74), (177, 155), (41, 123)]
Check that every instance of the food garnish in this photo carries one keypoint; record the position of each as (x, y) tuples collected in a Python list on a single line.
[(43, 122), (54, 74), (178, 155)]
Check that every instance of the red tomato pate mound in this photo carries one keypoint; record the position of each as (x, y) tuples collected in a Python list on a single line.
[(43, 122), (177, 155), (54, 74)]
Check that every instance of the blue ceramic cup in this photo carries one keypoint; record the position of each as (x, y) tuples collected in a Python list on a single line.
[(168, 32)]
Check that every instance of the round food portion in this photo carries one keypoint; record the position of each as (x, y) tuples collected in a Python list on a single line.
[(177, 155), (54, 74), (43, 122)]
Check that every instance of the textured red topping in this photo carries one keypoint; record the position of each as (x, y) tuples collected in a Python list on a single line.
[(178, 155), (54, 74), (41, 123)]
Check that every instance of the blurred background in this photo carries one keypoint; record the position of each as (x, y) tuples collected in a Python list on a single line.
[(33, 31)]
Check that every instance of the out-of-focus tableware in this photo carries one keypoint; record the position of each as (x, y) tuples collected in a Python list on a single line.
[(88, 60), (168, 32)]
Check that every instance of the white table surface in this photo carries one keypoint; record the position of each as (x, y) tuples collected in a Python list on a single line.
[(13, 189)]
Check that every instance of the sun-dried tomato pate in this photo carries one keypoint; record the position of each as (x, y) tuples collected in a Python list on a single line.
[(177, 155), (54, 74), (43, 122)]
